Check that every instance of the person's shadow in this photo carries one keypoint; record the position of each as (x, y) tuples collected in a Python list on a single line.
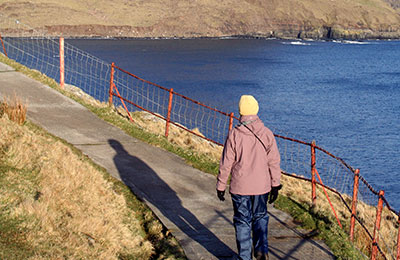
[(140, 178)]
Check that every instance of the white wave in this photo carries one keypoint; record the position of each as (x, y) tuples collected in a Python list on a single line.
[(354, 42), (226, 37), (350, 42), (297, 43)]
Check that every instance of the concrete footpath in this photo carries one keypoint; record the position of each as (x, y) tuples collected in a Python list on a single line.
[(182, 197)]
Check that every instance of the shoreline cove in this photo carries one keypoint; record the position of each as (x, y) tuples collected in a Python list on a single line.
[(232, 37)]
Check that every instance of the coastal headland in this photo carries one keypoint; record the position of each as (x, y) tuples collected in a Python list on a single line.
[(306, 19)]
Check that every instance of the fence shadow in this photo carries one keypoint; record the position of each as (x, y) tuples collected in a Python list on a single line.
[(137, 175), (303, 239)]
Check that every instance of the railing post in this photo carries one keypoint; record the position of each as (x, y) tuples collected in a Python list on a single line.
[(313, 180), (62, 62), (169, 111), (110, 92), (377, 225), (354, 203), (398, 238), (4, 48), (230, 121)]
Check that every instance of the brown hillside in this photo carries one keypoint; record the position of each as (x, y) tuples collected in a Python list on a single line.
[(173, 18)]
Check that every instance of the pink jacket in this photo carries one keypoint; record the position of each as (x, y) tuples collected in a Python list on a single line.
[(253, 171)]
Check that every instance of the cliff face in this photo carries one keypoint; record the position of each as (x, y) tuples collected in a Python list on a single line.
[(352, 19)]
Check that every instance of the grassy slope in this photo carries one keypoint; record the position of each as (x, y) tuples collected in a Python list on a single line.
[(206, 17), (46, 212)]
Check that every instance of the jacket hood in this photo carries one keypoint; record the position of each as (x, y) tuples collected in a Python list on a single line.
[(251, 121)]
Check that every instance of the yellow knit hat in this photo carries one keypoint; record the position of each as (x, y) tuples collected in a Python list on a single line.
[(248, 105)]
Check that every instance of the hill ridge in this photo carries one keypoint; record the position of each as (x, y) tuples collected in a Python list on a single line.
[(358, 19)]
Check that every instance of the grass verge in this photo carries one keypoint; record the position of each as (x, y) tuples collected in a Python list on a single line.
[(320, 226)]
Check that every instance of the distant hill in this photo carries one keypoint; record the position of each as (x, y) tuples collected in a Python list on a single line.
[(352, 19)]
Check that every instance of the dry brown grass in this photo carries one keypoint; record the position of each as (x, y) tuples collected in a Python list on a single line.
[(83, 96), (177, 135), (14, 108), (70, 210), (300, 191), (387, 234)]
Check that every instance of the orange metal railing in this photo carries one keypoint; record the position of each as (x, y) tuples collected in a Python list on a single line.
[(4, 48)]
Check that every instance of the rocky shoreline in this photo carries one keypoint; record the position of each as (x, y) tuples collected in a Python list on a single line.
[(129, 32), (330, 33)]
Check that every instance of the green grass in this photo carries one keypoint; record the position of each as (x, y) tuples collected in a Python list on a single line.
[(13, 244), (319, 225)]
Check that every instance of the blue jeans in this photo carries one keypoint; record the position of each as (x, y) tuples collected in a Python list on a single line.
[(250, 216)]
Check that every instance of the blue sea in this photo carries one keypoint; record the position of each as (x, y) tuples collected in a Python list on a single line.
[(343, 94)]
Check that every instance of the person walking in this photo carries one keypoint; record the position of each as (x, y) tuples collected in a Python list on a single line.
[(251, 157)]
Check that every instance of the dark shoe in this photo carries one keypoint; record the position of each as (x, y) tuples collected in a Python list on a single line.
[(261, 256)]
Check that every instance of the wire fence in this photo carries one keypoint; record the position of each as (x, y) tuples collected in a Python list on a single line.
[(299, 159), (180, 110), (36, 51)]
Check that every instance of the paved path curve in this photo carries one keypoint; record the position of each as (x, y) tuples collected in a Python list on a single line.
[(182, 197)]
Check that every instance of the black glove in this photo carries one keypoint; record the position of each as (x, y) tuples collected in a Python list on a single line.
[(221, 195), (273, 194)]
